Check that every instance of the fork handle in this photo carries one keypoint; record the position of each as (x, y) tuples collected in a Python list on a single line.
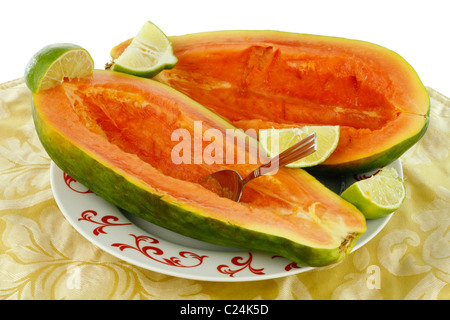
[(299, 150)]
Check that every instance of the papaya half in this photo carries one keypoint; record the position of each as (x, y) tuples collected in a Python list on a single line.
[(265, 79), (113, 133)]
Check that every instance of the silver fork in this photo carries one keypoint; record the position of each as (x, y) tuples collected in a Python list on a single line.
[(229, 183)]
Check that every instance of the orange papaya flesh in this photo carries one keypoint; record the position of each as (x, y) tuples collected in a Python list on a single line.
[(112, 132), (281, 79)]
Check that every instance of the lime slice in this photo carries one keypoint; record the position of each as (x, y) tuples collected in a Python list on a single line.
[(275, 141), (377, 196), (148, 53), (50, 65)]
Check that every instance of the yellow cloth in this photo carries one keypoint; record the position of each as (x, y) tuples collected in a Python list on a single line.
[(43, 257)]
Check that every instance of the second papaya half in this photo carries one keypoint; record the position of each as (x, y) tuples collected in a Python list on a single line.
[(272, 79)]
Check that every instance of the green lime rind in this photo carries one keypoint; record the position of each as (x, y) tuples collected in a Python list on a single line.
[(326, 143), (42, 61), (149, 73), (356, 195), (152, 41)]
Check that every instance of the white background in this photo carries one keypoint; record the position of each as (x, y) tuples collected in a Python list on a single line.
[(417, 30)]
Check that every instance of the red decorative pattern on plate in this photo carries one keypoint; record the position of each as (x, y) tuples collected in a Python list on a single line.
[(359, 177), (69, 180), (172, 261), (238, 261), (289, 266), (105, 221)]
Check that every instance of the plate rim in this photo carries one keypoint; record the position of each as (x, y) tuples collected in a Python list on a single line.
[(125, 256)]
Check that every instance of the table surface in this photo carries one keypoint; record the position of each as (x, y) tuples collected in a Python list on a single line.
[(43, 257)]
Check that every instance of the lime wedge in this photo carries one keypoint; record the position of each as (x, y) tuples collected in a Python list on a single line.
[(275, 141), (149, 53), (50, 65), (377, 196)]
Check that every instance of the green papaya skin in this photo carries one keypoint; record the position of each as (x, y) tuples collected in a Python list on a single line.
[(349, 83), (149, 206), (122, 190), (375, 161)]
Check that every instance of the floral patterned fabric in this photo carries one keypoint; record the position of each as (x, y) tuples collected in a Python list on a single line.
[(43, 257)]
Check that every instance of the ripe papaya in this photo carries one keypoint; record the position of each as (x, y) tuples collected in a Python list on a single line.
[(265, 79), (114, 133)]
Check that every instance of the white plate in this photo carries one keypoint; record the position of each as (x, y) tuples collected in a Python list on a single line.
[(151, 247)]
